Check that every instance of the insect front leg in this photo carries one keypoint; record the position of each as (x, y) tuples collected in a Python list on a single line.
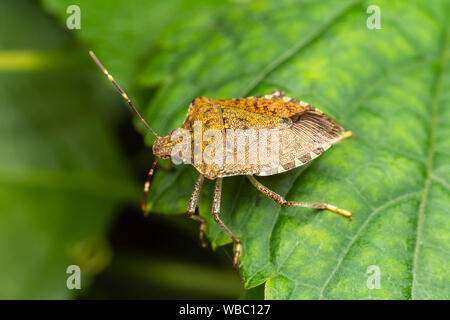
[(193, 209), (284, 203), (147, 184), (216, 212)]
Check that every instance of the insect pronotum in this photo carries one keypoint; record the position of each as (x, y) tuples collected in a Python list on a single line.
[(298, 133)]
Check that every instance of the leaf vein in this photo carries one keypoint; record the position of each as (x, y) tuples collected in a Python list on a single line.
[(430, 161), (359, 232), (297, 47)]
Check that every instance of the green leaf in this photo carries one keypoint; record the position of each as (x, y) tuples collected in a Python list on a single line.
[(123, 33), (61, 173), (389, 86)]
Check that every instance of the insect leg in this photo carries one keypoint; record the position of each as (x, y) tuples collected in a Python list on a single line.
[(284, 203), (193, 209), (216, 212), (147, 185)]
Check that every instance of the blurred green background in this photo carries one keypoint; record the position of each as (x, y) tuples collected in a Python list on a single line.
[(72, 170), (73, 159)]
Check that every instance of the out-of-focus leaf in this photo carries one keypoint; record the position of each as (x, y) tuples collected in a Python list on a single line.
[(61, 173), (390, 86), (161, 277), (123, 33)]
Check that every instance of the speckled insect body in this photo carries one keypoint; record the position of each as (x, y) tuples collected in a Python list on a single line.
[(302, 133)]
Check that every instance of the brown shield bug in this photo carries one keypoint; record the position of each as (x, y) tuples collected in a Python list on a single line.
[(292, 130)]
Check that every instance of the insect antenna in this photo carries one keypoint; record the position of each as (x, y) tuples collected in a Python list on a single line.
[(122, 93)]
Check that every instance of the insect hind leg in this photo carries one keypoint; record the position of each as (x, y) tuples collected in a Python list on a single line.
[(284, 203)]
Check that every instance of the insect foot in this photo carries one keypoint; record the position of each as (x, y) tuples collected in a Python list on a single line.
[(332, 208)]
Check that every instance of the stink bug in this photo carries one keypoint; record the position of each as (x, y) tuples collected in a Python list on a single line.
[(302, 133)]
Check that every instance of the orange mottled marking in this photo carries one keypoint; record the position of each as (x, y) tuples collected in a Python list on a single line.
[(270, 107)]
